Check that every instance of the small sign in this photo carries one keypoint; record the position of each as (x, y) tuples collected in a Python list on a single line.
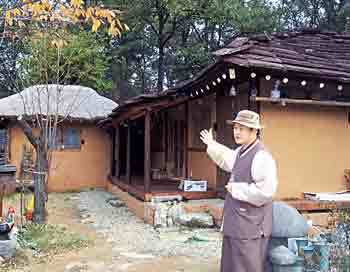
[(193, 185)]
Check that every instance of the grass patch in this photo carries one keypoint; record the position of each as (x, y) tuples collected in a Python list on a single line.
[(48, 238)]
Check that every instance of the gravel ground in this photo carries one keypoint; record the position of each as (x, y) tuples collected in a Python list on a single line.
[(130, 235)]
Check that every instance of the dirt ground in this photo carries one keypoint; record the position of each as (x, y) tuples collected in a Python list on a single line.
[(62, 210)]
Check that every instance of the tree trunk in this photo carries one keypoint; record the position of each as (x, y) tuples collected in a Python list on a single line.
[(39, 186), (41, 166), (160, 69)]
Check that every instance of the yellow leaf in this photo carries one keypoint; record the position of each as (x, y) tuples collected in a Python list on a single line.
[(78, 13), (96, 24), (89, 13), (98, 12), (8, 18), (16, 12), (119, 24), (21, 24), (76, 3)]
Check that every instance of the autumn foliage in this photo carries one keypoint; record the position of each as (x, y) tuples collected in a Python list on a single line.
[(69, 12)]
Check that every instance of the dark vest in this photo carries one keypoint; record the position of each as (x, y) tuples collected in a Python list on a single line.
[(241, 219)]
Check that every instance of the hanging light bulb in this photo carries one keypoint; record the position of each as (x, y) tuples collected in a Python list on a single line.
[(207, 87), (224, 76), (202, 91), (232, 73), (285, 80), (218, 80), (197, 93), (303, 83), (253, 75), (233, 91), (275, 92), (253, 91), (340, 87), (321, 85), (214, 83), (267, 77)]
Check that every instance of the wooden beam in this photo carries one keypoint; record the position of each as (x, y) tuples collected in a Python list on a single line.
[(147, 164), (187, 122), (128, 155), (284, 101), (136, 112), (117, 151)]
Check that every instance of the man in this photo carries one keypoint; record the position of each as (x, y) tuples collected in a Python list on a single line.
[(247, 216)]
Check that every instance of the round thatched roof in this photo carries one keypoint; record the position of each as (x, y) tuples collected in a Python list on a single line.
[(71, 101)]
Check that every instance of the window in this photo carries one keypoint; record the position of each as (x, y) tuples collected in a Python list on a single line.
[(71, 138), (66, 138)]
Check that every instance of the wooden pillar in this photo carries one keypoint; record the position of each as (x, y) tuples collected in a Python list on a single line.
[(1, 201), (128, 155), (117, 151), (187, 122), (147, 165), (166, 146)]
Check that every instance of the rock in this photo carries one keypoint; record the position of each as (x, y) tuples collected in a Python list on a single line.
[(275, 242), (7, 248), (84, 215), (161, 215), (85, 266), (175, 211), (87, 221), (207, 236), (115, 202), (282, 256), (133, 255), (288, 222), (157, 199), (196, 220), (76, 267)]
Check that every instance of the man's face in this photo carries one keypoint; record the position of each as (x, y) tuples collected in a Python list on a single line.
[(243, 135)]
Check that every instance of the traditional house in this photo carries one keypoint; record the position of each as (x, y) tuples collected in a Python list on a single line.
[(300, 84), (79, 159)]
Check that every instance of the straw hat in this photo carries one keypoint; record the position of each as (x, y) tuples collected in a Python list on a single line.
[(247, 118)]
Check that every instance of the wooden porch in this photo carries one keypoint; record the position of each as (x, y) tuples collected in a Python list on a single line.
[(166, 187)]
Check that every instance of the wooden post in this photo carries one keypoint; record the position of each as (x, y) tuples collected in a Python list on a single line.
[(128, 155), (187, 122), (117, 151), (1, 203), (166, 146), (147, 165)]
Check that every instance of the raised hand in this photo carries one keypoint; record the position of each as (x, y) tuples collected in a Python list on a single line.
[(206, 136)]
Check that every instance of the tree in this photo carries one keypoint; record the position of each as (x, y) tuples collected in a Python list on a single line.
[(173, 40), (45, 21), (82, 59), (321, 14)]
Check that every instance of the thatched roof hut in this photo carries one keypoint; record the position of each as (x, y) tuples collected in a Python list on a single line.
[(69, 101)]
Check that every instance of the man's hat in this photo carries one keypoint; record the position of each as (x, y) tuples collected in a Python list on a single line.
[(247, 118)]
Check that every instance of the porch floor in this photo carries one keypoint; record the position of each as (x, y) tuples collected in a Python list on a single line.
[(163, 187)]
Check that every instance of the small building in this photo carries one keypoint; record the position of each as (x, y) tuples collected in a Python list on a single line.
[(298, 81), (79, 159)]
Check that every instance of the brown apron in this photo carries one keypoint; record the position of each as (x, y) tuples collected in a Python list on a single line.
[(246, 228)]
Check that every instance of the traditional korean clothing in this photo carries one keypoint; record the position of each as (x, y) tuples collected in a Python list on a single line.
[(247, 216)]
